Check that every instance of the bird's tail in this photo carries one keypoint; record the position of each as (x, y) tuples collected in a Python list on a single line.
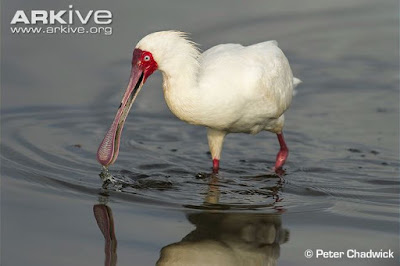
[(296, 82)]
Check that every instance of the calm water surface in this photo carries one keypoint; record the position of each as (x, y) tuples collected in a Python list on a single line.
[(340, 190)]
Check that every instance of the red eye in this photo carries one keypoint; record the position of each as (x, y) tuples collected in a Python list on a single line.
[(146, 58)]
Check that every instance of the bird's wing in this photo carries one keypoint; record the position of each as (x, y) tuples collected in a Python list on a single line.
[(236, 67), (225, 51), (218, 50), (264, 45), (231, 76), (226, 68)]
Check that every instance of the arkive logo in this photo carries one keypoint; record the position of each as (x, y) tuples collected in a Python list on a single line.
[(69, 21), (51, 17)]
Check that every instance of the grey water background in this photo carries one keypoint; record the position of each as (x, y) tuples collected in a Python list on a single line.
[(59, 94)]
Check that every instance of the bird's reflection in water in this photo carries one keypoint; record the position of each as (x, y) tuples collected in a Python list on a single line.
[(223, 238), (105, 221), (220, 238)]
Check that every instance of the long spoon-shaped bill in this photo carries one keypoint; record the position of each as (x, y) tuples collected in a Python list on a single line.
[(109, 147)]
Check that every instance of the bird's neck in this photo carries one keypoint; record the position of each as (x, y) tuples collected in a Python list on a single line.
[(181, 90)]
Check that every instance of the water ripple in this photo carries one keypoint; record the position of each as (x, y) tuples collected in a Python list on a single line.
[(166, 163)]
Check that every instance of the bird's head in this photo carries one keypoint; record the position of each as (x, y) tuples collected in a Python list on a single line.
[(160, 50)]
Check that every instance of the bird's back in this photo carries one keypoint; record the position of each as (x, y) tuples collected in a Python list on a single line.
[(254, 83)]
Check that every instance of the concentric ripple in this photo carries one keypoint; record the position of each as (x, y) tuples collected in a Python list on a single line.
[(165, 162)]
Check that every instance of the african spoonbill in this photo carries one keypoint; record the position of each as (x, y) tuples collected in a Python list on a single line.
[(229, 88)]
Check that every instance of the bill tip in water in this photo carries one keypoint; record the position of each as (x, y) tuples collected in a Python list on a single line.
[(105, 175)]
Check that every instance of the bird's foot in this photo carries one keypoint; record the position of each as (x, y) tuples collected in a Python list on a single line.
[(279, 171)]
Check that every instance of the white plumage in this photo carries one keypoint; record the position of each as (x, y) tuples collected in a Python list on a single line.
[(229, 88)]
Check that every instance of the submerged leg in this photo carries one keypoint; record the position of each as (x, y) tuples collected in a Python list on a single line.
[(215, 141), (282, 154), (215, 165)]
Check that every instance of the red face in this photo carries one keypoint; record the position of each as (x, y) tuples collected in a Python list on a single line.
[(144, 60), (143, 65)]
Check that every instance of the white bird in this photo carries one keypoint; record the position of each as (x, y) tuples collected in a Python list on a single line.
[(229, 88)]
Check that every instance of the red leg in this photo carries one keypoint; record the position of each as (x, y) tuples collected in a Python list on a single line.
[(215, 165), (282, 154)]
